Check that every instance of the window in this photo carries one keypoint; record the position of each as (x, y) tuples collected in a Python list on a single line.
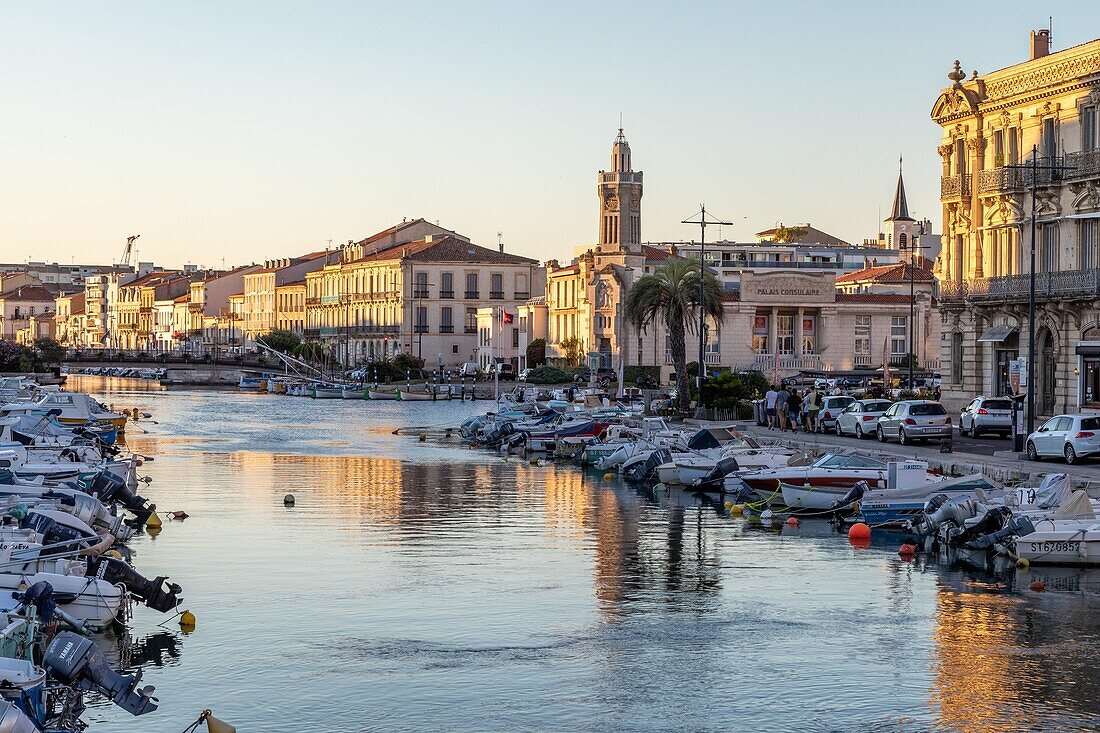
[(784, 335), (809, 337), (863, 335), (522, 289), (957, 357), (1048, 248), (515, 338), (496, 286), (471, 285), (447, 285), (998, 148), (471, 320), (1013, 147), (1049, 145), (1087, 259), (898, 346), (1088, 128), (454, 349), (446, 319), (421, 289)]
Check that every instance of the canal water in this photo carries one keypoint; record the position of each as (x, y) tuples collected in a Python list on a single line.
[(425, 586)]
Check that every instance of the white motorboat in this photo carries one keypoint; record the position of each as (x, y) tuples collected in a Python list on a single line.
[(834, 470), (70, 408), (686, 469), (322, 392), (1061, 542), (353, 393), (407, 395), (94, 602), (378, 394)]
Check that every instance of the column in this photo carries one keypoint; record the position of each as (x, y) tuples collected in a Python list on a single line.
[(798, 332), (773, 333)]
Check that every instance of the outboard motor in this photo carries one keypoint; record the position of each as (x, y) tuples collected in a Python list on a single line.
[(941, 509), (716, 477), (643, 470), (1015, 527), (67, 536), (991, 521), (854, 494), (40, 595), (14, 720), (76, 661), (157, 594), (110, 488)]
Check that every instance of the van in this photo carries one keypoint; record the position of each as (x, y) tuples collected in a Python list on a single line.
[(469, 369)]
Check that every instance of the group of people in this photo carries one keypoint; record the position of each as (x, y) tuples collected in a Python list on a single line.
[(787, 409)]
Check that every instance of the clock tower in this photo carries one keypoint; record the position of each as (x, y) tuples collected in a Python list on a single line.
[(620, 192)]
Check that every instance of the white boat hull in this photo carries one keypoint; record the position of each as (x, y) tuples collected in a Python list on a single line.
[(95, 602), (375, 395)]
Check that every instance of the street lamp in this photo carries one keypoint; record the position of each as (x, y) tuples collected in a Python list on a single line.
[(913, 247), (702, 221)]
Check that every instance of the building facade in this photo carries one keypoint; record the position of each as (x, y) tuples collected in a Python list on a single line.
[(1021, 155)]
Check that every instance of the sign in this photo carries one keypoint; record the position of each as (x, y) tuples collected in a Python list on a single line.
[(1023, 371), (787, 289), (1014, 375)]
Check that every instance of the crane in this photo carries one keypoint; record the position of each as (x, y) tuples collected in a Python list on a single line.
[(129, 249)]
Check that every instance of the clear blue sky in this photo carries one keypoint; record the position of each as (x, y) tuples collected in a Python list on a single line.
[(244, 130)]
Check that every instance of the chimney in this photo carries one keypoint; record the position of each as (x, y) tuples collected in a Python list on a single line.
[(1040, 43)]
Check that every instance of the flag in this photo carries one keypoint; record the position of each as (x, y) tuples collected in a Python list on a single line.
[(505, 316)]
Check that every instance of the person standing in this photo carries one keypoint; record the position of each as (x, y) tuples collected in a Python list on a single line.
[(769, 406), (794, 410), (813, 407), (781, 398)]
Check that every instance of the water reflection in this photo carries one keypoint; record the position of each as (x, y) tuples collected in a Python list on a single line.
[(426, 586)]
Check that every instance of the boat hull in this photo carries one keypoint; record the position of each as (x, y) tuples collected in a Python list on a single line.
[(376, 395), (415, 396)]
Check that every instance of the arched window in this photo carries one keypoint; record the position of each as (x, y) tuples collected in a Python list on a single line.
[(903, 241)]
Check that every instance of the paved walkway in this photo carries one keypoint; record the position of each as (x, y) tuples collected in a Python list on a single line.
[(1001, 468)]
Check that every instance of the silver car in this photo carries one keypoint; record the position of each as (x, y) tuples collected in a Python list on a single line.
[(861, 418), (1071, 437), (914, 420), (831, 406), (986, 415)]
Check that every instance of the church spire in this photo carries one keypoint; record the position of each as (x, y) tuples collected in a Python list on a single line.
[(900, 211)]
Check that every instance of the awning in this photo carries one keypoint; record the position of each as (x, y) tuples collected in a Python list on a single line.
[(1088, 348), (996, 334)]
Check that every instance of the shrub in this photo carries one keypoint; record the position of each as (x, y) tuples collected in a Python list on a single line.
[(732, 389), (536, 353), (632, 373), (548, 375), (404, 362)]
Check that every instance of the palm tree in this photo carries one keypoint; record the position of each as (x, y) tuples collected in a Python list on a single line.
[(671, 295)]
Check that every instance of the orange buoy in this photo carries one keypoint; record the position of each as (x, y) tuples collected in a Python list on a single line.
[(907, 550), (792, 521), (859, 531), (1037, 585)]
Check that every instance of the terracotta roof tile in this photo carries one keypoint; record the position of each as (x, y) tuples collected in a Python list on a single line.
[(887, 298), (894, 274), (447, 249), (29, 292)]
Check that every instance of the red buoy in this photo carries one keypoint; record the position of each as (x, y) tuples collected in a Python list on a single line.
[(792, 521), (859, 531), (907, 550), (1037, 585)]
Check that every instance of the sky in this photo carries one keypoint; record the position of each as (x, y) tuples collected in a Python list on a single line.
[(238, 131)]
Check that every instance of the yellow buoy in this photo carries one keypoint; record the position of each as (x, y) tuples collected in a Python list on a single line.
[(608, 476), (729, 505), (1023, 564), (737, 510), (153, 520), (187, 620)]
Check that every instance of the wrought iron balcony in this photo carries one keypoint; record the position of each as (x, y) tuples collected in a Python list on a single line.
[(1072, 284), (446, 329), (496, 295), (952, 187), (420, 293), (470, 329), (998, 180), (473, 294), (420, 328), (446, 294), (1085, 164), (523, 294)]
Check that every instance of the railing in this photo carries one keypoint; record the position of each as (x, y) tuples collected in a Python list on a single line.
[(470, 329), (1048, 285), (311, 332), (932, 365), (788, 362), (953, 290), (496, 295), (420, 328), (1085, 163), (473, 294), (954, 186), (420, 293), (862, 360), (446, 293), (446, 329), (522, 294), (711, 357), (997, 180), (313, 301)]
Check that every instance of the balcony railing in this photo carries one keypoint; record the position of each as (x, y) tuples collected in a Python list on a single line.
[(998, 180), (954, 186), (420, 293), (862, 360), (1085, 164), (496, 295), (420, 328), (1017, 288), (313, 301), (446, 294), (788, 362), (473, 294), (470, 329), (523, 294), (311, 333), (446, 329)]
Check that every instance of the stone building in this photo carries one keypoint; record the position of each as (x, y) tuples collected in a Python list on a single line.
[(1041, 115), (19, 306), (259, 287)]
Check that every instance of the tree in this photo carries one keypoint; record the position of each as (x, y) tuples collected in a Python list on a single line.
[(670, 295), (536, 353), (785, 235), (49, 350), (281, 340), (574, 350), (404, 362)]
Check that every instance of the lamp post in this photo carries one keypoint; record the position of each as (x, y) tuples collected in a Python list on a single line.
[(702, 221), (913, 247), (1054, 169)]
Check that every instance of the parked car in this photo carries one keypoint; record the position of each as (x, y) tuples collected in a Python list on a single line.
[(524, 374), (831, 406), (861, 418), (469, 369), (914, 420), (986, 415), (1071, 437), (504, 371)]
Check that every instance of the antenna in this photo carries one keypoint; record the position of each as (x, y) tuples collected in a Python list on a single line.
[(500, 241), (1050, 32), (620, 121)]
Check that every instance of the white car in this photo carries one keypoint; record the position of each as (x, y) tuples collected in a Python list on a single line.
[(831, 406), (524, 373), (1071, 437), (861, 418), (986, 415)]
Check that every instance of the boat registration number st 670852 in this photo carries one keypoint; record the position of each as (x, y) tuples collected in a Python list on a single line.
[(1055, 546)]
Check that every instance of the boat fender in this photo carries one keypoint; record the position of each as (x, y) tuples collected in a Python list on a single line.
[(1023, 564), (608, 476), (907, 550), (288, 500), (1037, 586), (766, 514), (859, 531), (792, 521)]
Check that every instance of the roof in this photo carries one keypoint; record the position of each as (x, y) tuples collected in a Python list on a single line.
[(150, 278), (900, 210), (185, 298), (812, 236), (657, 254), (29, 292), (448, 249), (893, 274), (299, 281)]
